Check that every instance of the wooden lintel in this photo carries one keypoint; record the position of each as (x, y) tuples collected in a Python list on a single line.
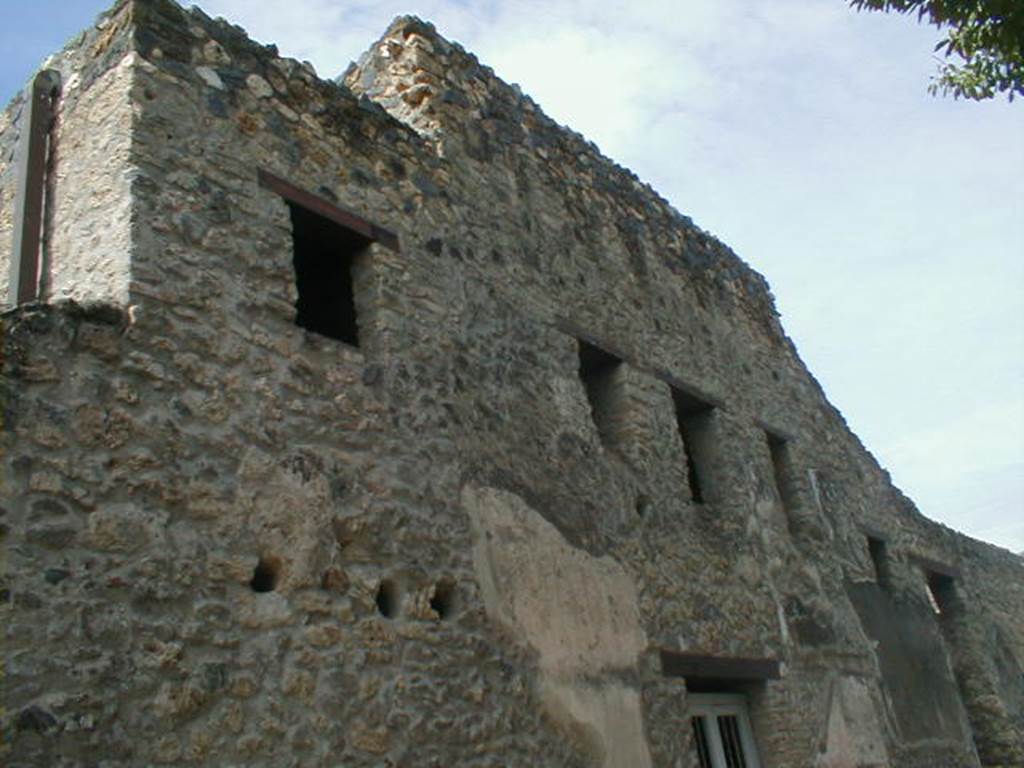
[(679, 664), (327, 209)]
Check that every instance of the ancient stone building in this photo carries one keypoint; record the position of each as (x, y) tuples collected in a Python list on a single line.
[(384, 422)]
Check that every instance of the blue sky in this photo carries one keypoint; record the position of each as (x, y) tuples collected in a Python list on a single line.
[(889, 223)]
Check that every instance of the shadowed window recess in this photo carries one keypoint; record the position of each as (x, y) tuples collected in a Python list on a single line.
[(324, 255), (782, 469), (693, 417), (879, 560), (328, 244), (598, 372), (941, 593)]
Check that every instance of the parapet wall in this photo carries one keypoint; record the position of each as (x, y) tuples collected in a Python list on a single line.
[(478, 121), (231, 539)]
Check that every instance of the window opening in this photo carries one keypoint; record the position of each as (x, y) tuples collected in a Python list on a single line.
[(721, 731), (324, 252), (693, 420), (941, 592), (326, 239), (880, 560), (781, 468), (597, 372)]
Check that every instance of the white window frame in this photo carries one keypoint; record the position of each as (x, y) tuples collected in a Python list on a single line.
[(709, 707)]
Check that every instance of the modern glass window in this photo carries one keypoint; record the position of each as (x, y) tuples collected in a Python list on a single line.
[(722, 736)]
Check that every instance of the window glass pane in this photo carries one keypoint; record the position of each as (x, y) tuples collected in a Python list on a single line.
[(700, 740), (729, 730)]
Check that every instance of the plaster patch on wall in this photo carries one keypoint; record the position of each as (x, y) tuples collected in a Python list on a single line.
[(854, 736), (577, 611), (607, 718)]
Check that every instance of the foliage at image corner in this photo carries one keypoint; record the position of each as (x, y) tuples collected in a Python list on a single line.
[(983, 46)]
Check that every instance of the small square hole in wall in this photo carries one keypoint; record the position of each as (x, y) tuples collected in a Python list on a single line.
[(693, 418), (324, 253), (597, 372)]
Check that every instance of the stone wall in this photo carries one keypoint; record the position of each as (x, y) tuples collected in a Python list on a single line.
[(86, 252), (232, 540), (10, 128)]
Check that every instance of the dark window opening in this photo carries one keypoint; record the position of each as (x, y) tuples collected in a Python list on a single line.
[(324, 256), (597, 372), (880, 560), (387, 599), (693, 417), (265, 575), (781, 468), (941, 593)]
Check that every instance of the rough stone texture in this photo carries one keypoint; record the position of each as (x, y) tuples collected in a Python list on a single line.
[(230, 540)]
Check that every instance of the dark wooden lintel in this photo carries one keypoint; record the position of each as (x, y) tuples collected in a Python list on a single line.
[(327, 209), (679, 664)]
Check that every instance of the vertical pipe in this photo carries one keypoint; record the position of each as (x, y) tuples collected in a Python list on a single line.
[(30, 177)]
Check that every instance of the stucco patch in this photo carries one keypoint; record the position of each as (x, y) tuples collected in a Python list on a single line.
[(579, 612), (855, 738), (607, 718)]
